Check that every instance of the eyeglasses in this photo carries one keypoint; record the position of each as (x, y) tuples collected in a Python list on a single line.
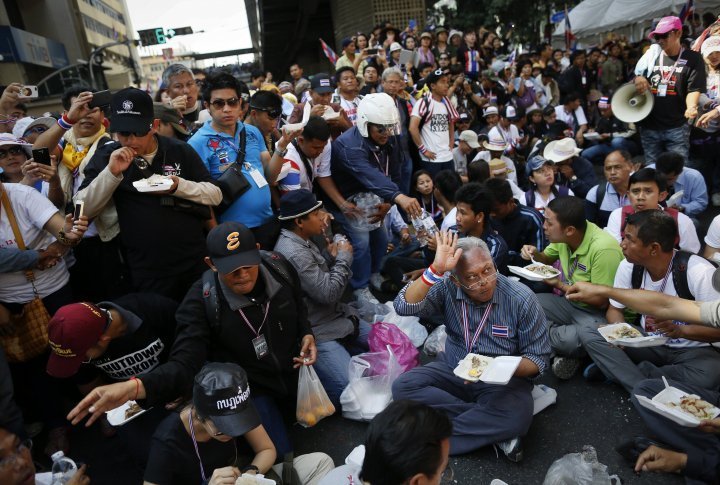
[(271, 112), (141, 163), (13, 150), (475, 281), (128, 134), (35, 129), (219, 103), (10, 460)]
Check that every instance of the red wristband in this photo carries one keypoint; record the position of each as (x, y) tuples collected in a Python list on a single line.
[(137, 387)]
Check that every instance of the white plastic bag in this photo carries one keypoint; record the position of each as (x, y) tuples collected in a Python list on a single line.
[(313, 403), (579, 469), (410, 326), (368, 393), (435, 343)]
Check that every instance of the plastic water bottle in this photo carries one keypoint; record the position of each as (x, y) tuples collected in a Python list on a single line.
[(425, 227), (63, 468)]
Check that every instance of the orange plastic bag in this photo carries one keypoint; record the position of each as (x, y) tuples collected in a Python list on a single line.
[(313, 403)]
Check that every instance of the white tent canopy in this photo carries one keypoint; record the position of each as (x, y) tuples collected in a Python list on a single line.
[(591, 20)]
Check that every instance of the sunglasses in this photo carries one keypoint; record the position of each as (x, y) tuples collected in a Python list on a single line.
[(220, 103), (384, 129), (136, 134), (271, 112), (35, 129), (13, 150), (664, 36)]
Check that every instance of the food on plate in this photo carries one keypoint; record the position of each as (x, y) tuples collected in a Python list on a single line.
[(543, 270), (625, 332), (153, 181), (695, 406), (246, 480), (477, 366), (132, 410)]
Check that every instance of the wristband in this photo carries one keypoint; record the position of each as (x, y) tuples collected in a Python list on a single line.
[(64, 123), (137, 387), (422, 149), (430, 276), (250, 467)]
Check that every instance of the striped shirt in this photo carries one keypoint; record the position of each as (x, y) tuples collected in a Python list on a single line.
[(515, 312)]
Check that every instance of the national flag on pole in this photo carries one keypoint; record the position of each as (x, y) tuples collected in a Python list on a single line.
[(511, 58), (687, 10), (569, 37), (329, 53)]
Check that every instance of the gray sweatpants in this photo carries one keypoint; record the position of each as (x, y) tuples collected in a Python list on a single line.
[(697, 366), (565, 321)]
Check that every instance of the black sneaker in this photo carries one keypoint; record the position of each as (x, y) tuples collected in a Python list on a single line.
[(512, 449), (592, 373)]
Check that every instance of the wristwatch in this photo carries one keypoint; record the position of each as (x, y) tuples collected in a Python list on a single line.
[(250, 467)]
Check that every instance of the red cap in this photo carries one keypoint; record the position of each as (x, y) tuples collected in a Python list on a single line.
[(72, 331)]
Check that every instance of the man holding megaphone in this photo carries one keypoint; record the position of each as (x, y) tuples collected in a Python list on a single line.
[(676, 77)]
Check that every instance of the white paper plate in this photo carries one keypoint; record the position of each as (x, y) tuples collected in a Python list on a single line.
[(531, 275), (594, 135), (499, 370), (158, 186), (659, 405), (644, 341), (116, 417), (675, 199), (258, 479)]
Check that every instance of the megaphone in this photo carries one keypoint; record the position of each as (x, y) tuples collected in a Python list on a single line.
[(629, 106)]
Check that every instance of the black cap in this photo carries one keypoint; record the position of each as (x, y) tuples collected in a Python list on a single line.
[(321, 83), (231, 245), (131, 110), (222, 393), (297, 203), (435, 76)]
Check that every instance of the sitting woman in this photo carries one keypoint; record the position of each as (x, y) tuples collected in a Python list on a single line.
[(423, 190), (543, 189), (211, 435), (18, 167)]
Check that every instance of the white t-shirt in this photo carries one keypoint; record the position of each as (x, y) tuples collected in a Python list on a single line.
[(435, 132), (449, 220), (688, 236), (293, 175), (511, 136), (712, 238), (487, 156), (699, 277), (32, 212), (350, 108), (541, 203)]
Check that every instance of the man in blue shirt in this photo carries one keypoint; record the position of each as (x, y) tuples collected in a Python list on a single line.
[(218, 143), (679, 178), (488, 314), (607, 196)]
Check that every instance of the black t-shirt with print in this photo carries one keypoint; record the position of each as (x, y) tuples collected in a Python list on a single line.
[(151, 330), (689, 76), (173, 460)]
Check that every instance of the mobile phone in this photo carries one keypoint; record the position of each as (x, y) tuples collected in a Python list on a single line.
[(78, 212), (100, 99), (372, 51), (335, 99), (41, 155), (412, 24), (28, 91)]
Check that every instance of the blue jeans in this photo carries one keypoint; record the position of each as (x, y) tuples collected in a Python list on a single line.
[(435, 167), (369, 247), (597, 153), (656, 142), (334, 358)]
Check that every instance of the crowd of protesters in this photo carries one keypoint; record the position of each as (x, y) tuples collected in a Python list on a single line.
[(187, 249)]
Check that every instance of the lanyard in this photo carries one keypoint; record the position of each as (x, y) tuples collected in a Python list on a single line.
[(666, 76), (197, 452), (387, 163), (432, 205), (573, 267), (667, 275), (256, 332), (466, 325)]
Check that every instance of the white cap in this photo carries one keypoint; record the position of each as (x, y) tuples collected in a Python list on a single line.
[(711, 44), (395, 47), (471, 138), (490, 110)]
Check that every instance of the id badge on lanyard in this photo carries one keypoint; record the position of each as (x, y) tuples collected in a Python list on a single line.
[(257, 177)]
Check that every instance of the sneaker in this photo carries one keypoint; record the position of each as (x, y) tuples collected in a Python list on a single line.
[(512, 449), (592, 373), (565, 367), (716, 199), (376, 281), (365, 295)]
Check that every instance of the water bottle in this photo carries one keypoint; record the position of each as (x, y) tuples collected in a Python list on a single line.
[(63, 468), (425, 227)]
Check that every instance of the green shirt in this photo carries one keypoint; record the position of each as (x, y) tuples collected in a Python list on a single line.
[(595, 260)]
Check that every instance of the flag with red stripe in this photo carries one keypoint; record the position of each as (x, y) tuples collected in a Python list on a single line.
[(329, 53)]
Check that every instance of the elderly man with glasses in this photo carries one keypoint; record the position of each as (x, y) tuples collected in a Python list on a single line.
[(183, 90), (486, 314)]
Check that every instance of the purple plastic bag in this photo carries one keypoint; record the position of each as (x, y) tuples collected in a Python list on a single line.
[(383, 334)]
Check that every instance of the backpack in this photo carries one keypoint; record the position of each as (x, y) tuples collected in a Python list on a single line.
[(428, 112), (628, 209), (679, 274), (274, 262), (530, 195)]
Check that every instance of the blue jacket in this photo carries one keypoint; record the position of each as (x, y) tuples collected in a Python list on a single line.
[(358, 165)]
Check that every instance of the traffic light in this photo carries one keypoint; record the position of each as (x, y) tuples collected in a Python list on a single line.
[(159, 35)]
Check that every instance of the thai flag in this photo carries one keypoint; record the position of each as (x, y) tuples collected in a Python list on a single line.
[(329, 53), (511, 59), (499, 331), (569, 37), (687, 10)]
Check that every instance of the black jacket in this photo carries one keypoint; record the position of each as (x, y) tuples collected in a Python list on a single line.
[(229, 339)]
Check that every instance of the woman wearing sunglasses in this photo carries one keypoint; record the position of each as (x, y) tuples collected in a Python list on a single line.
[(18, 167)]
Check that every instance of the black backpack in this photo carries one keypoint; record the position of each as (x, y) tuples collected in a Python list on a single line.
[(679, 274), (530, 195)]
